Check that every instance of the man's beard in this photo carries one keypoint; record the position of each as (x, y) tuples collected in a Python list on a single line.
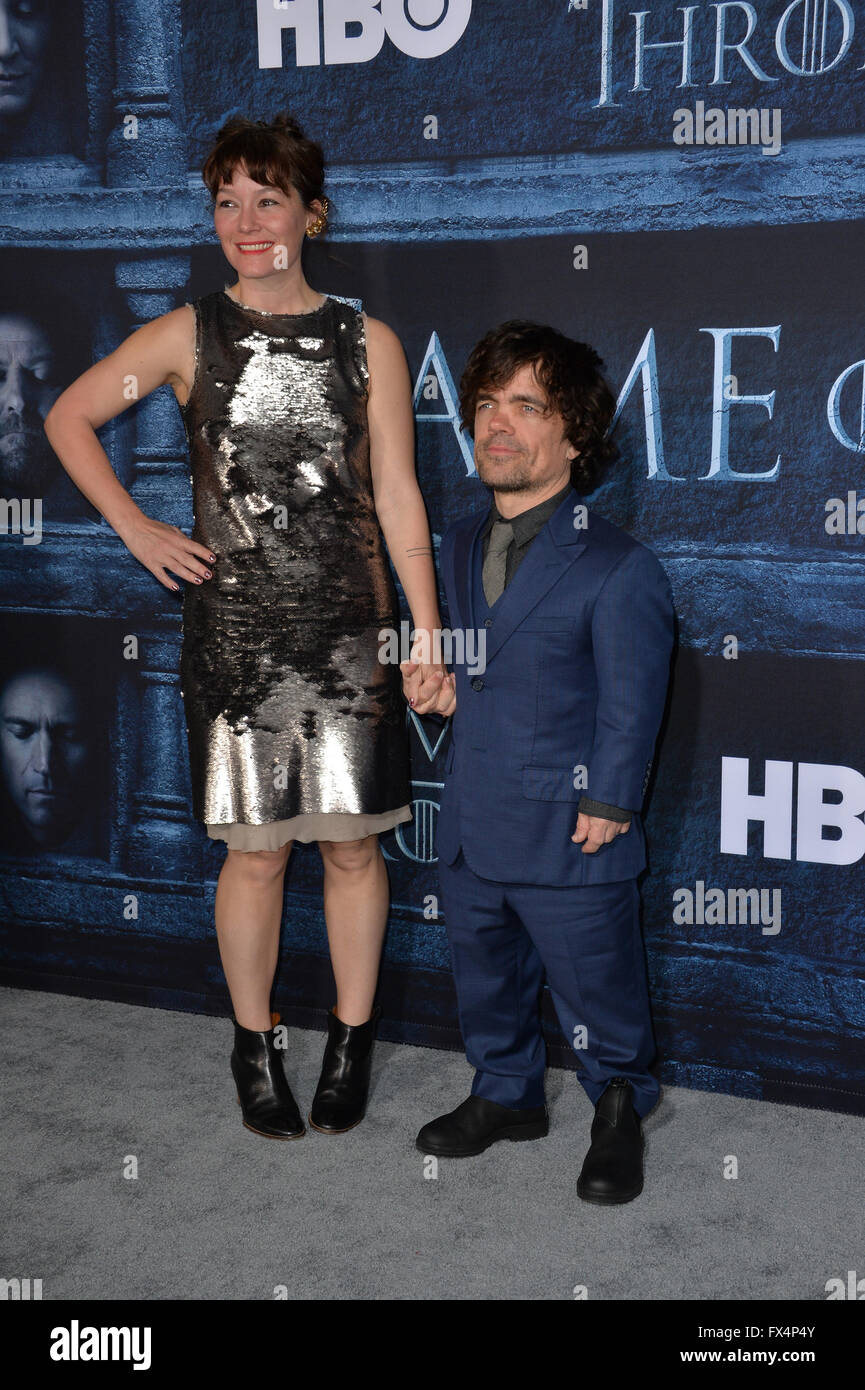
[(517, 477), (26, 459)]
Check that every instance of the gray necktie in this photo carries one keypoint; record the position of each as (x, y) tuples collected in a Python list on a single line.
[(501, 535)]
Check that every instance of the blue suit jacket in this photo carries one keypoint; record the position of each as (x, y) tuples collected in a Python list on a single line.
[(577, 665)]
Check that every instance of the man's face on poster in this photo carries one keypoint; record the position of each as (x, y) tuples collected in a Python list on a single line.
[(45, 753), (24, 30), (28, 390)]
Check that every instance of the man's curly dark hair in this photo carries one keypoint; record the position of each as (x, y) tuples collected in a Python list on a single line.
[(567, 370)]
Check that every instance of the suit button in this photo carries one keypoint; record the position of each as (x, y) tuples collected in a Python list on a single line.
[(488, 622), (477, 683)]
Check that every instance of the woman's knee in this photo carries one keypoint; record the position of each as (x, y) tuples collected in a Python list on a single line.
[(349, 855), (259, 865)]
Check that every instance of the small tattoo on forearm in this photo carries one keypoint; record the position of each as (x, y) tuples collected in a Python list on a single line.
[(419, 550)]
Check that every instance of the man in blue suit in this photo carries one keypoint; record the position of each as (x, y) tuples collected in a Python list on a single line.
[(539, 835)]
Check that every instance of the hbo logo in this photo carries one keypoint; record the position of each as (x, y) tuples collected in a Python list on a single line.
[(354, 30)]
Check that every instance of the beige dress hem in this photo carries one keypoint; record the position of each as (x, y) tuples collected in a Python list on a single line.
[(319, 825)]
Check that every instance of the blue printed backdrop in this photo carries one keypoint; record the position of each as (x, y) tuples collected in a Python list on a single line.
[(544, 159)]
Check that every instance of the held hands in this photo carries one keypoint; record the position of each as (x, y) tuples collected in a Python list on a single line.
[(160, 547), (429, 689), (596, 831), (432, 690)]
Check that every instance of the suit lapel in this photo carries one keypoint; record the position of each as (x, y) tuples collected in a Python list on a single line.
[(552, 552), (463, 561)]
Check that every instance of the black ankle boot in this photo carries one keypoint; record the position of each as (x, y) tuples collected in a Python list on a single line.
[(264, 1094), (612, 1171), (340, 1097)]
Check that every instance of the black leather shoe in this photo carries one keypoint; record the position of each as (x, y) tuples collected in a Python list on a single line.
[(265, 1096), (476, 1124), (339, 1102), (612, 1171)]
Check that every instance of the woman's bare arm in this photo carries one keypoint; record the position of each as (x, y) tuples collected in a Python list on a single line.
[(157, 354), (400, 505)]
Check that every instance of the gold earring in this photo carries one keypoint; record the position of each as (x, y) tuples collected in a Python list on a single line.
[(320, 222)]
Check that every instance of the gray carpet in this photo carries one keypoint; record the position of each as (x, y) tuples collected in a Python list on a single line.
[(218, 1213)]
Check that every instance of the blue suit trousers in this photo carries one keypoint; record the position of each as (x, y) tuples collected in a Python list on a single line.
[(503, 937)]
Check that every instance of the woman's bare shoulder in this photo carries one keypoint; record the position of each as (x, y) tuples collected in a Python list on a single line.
[(385, 352), (178, 323), (175, 334), (380, 333)]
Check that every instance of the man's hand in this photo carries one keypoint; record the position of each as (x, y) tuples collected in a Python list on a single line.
[(428, 689), (596, 831)]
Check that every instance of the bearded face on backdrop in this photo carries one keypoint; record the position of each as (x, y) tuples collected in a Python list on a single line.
[(54, 740), (44, 343)]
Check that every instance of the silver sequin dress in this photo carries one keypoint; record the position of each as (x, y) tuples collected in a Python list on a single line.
[(295, 728)]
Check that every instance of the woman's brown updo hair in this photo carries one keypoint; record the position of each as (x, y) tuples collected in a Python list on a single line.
[(272, 152)]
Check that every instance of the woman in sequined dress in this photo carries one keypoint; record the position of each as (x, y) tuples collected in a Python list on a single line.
[(298, 414)]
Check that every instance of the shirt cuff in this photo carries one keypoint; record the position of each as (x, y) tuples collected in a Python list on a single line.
[(600, 808)]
